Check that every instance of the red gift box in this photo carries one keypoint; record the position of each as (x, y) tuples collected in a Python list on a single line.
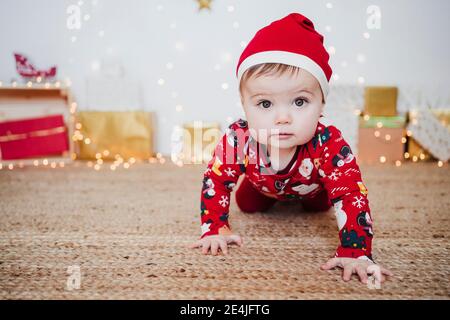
[(37, 137)]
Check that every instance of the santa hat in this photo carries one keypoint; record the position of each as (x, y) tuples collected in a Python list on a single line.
[(293, 41)]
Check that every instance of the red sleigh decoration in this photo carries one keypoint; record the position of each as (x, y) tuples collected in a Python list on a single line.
[(27, 70)]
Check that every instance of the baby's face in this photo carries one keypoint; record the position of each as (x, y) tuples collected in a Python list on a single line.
[(282, 111)]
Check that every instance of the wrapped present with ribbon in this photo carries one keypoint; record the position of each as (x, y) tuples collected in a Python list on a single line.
[(380, 101), (33, 137), (381, 139), (127, 134)]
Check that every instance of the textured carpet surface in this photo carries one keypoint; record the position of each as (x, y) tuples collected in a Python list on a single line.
[(127, 231)]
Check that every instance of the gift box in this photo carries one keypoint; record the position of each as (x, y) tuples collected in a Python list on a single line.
[(380, 101), (125, 134), (380, 145), (199, 141), (33, 137)]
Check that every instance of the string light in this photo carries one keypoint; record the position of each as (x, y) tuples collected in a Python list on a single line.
[(406, 155), (440, 163), (387, 137), (10, 166), (398, 163), (404, 140), (382, 159)]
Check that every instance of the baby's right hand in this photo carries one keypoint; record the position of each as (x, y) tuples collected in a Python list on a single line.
[(214, 242)]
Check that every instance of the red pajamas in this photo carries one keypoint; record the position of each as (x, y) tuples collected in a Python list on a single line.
[(322, 173)]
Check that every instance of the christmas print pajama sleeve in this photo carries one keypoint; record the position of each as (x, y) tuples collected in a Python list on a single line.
[(219, 180), (341, 177)]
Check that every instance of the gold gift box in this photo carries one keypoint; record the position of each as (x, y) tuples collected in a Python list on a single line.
[(199, 140), (380, 101), (127, 134)]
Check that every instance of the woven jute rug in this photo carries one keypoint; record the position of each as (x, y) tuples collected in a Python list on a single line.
[(124, 235)]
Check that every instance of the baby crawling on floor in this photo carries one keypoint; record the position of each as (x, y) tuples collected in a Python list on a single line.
[(286, 150)]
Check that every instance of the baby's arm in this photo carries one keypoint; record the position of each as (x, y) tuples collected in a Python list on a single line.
[(341, 177), (219, 179)]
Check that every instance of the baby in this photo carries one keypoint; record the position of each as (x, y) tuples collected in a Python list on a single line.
[(286, 150)]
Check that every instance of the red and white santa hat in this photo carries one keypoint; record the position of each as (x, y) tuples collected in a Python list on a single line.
[(291, 40)]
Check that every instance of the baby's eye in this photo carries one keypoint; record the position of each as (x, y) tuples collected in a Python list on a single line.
[(265, 104), (299, 102)]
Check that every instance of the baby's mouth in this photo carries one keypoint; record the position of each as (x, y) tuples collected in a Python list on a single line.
[(283, 135)]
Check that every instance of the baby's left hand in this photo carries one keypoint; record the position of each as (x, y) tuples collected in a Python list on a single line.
[(358, 266)]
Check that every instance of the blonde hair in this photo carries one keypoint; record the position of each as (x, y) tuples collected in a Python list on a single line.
[(267, 68), (276, 69)]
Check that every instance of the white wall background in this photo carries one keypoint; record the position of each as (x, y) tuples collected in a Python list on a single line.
[(411, 49)]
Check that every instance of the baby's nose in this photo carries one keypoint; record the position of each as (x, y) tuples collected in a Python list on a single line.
[(283, 117)]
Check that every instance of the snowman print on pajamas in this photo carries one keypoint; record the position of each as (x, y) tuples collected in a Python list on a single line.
[(344, 156), (341, 216)]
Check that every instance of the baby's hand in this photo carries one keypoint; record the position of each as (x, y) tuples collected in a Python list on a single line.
[(358, 266), (214, 242)]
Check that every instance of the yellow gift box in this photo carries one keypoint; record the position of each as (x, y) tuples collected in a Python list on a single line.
[(127, 134), (380, 101), (199, 140)]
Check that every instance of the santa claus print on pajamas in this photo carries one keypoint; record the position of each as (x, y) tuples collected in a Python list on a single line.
[(326, 162)]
